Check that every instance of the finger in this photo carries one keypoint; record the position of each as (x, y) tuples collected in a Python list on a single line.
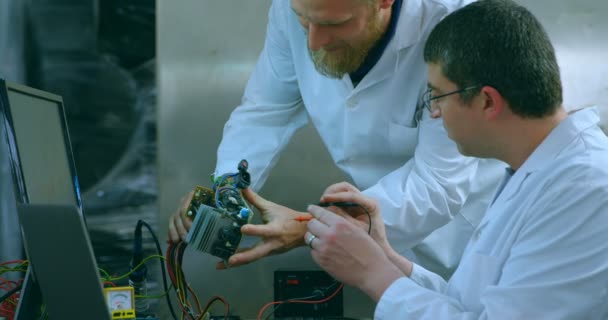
[(186, 221), (318, 228), (355, 197), (347, 214), (185, 201), (323, 215), (259, 230), (344, 213), (173, 231), (173, 235), (257, 252), (221, 265), (341, 211), (312, 242), (179, 227), (255, 199), (339, 187)]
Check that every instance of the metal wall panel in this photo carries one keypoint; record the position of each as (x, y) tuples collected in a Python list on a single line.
[(206, 50), (579, 32)]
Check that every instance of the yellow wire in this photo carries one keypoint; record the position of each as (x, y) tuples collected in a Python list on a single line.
[(136, 267), (20, 267), (107, 274), (5, 270), (156, 296), (181, 290), (198, 302)]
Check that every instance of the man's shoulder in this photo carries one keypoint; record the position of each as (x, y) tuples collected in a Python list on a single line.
[(281, 4), (279, 11), (584, 164), (447, 5), (427, 13), (281, 8)]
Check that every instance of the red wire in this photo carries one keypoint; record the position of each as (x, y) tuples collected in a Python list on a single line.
[(8, 284), (8, 306), (169, 261), (7, 313), (13, 262), (212, 300), (172, 275), (261, 313), (198, 304)]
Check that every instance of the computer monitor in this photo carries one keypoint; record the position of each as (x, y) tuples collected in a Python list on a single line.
[(63, 262), (36, 134), (39, 146)]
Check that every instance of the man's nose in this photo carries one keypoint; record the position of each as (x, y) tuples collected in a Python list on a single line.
[(318, 37)]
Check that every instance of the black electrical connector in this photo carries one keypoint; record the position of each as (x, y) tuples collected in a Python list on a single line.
[(243, 179), (138, 276), (138, 256)]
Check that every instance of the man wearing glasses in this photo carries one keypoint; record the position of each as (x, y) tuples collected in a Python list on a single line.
[(541, 250)]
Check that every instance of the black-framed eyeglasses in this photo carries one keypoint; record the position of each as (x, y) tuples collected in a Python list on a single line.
[(427, 99)]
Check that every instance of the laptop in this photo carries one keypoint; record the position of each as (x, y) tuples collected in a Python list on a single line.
[(60, 253)]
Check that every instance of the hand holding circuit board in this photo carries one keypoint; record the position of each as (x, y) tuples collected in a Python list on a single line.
[(219, 213)]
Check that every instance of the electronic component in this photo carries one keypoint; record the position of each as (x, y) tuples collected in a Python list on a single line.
[(293, 286), (121, 302), (219, 214)]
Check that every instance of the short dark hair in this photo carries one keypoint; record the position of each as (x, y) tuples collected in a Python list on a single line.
[(499, 43)]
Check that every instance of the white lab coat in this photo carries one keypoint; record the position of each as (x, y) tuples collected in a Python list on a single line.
[(370, 131), (540, 252)]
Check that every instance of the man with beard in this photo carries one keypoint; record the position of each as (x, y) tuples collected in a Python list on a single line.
[(355, 68)]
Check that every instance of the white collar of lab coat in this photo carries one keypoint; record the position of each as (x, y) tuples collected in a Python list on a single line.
[(560, 137), (550, 148), (407, 33)]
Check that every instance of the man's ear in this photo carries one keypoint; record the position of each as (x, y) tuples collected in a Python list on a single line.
[(493, 102)]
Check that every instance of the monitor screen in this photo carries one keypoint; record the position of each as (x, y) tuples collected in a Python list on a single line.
[(37, 123), (41, 161)]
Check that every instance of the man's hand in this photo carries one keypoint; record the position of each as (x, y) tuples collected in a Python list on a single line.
[(279, 234), (345, 192), (349, 254), (179, 223)]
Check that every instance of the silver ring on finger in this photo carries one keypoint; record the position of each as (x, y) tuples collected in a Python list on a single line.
[(310, 239)]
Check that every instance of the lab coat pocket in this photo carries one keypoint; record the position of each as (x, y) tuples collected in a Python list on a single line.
[(484, 272), (402, 139)]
